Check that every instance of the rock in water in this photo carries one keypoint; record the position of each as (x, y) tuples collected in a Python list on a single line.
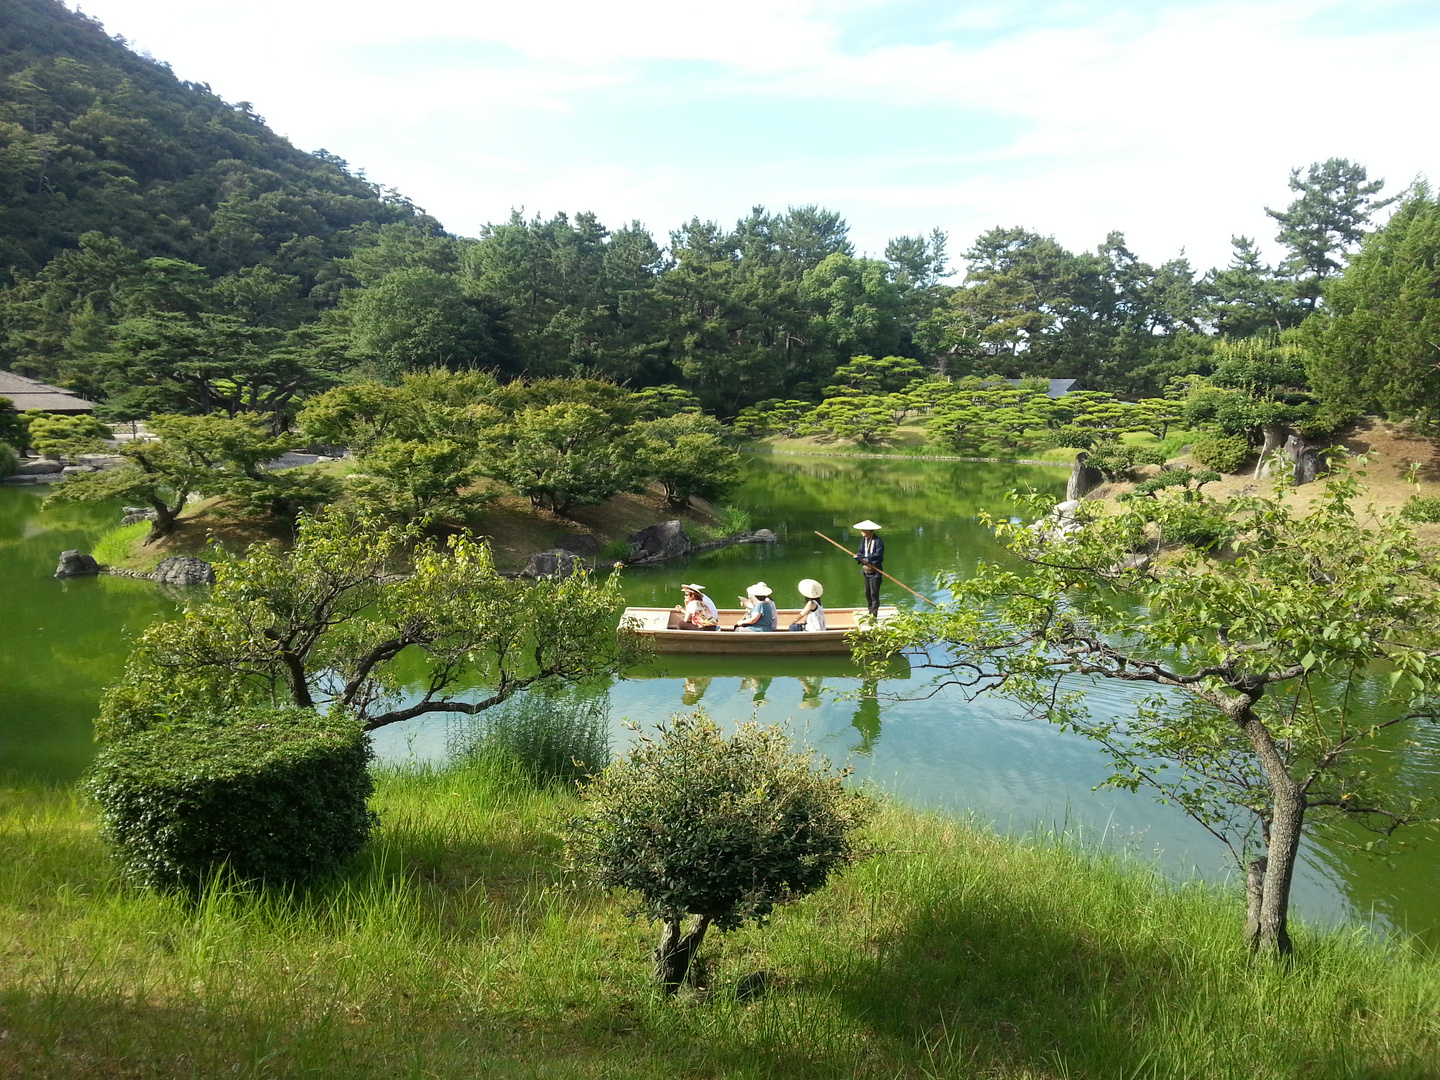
[(557, 562), (668, 540), (184, 570), (76, 564)]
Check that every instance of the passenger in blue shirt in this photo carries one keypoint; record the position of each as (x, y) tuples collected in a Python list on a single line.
[(760, 615)]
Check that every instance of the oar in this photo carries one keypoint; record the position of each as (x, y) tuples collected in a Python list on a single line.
[(882, 573)]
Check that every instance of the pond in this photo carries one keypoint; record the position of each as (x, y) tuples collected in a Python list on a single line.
[(60, 642)]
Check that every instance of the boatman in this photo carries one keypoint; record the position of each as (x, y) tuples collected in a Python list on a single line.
[(871, 557)]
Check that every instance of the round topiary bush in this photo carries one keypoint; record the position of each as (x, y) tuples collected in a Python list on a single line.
[(1223, 453), (267, 794)]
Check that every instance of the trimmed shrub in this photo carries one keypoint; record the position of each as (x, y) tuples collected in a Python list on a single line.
[(725, 829), (1223, 453), (1116, 461), (9, 460), (266, 794), (551, 739)]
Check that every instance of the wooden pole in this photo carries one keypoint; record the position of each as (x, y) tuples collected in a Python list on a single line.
[(882, 573)]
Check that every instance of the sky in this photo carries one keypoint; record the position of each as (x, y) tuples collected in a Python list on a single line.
[(1175, 124)]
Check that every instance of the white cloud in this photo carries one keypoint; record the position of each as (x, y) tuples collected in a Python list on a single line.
[(1173, 124)]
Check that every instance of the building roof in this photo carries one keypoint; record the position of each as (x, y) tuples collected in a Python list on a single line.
[(29, 394), (1058, 387)]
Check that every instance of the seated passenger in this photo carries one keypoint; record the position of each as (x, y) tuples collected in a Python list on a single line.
[(700, 611), (760, 610), (812, 615)]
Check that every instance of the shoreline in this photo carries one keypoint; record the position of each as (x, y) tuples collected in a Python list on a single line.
[(763, 452)]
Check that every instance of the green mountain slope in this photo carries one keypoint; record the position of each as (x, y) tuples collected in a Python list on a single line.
[(94, 137)]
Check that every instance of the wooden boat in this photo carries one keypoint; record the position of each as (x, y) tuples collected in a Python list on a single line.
[(661, 626)]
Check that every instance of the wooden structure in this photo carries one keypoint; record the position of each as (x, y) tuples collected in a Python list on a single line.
[(661, 626)]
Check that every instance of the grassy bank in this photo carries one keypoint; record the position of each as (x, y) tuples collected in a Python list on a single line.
[(515, 528), (456, 949)]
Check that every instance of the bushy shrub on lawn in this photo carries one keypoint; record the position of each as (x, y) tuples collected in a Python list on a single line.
[(1223, 453), (695, 823), (9, 460), (272, 794)]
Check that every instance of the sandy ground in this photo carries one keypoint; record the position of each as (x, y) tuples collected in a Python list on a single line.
[(1389, 453)]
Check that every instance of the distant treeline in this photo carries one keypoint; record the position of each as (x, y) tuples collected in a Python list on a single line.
[(164, 251)]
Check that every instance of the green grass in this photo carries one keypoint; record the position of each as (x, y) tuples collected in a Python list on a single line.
[(732, 520), (119, 546), (455, 948)]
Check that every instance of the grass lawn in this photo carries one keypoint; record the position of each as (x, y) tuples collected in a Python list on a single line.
[(455, 948)]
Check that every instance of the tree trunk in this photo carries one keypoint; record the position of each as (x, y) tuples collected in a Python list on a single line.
[(1274, 440), (1254, 899), (1282, 845), (675, 952)]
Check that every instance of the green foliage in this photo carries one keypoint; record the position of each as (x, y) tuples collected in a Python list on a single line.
[(866, 419), (418, 480), (67, 436), (1176, 476), (1224, 453), (9, 459), (864, 375), (265, 794), (565, 455), (686, 455), (1117, 460), (695, 823), (207, 455), (418, 318), (326, 623), (1373, 349), (1324, 224), (1418, 508), (1257, 660), (12, 427), (550, 738)]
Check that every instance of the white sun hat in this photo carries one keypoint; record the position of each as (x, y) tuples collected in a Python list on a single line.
[(865, 526), (811, 589), (693, 587), (759, 589)]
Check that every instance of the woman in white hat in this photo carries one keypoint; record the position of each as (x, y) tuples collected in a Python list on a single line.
[(760, 610), (812, 615), (699, 610)]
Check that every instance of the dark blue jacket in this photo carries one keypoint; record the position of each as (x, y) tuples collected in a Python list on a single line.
[(876, 558)]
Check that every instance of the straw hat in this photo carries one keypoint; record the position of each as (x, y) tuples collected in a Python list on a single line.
[(865, 526), (811, 589), (759, 589), (692, 587)]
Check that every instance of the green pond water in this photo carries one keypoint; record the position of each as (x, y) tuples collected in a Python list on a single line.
[(61, 642)]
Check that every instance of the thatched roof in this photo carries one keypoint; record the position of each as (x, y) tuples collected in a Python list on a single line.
[(28, 394)]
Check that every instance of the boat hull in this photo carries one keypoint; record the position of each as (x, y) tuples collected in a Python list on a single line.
[(659, 627)]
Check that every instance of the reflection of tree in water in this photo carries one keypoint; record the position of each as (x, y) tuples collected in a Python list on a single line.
[(695, 687), (867, 719)]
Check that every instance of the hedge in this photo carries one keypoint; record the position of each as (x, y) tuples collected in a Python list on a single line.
[(266, 794)]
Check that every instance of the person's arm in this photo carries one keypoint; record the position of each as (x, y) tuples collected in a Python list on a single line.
[(750, 619)]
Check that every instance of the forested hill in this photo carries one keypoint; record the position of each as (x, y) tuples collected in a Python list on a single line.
[(94, 137)]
